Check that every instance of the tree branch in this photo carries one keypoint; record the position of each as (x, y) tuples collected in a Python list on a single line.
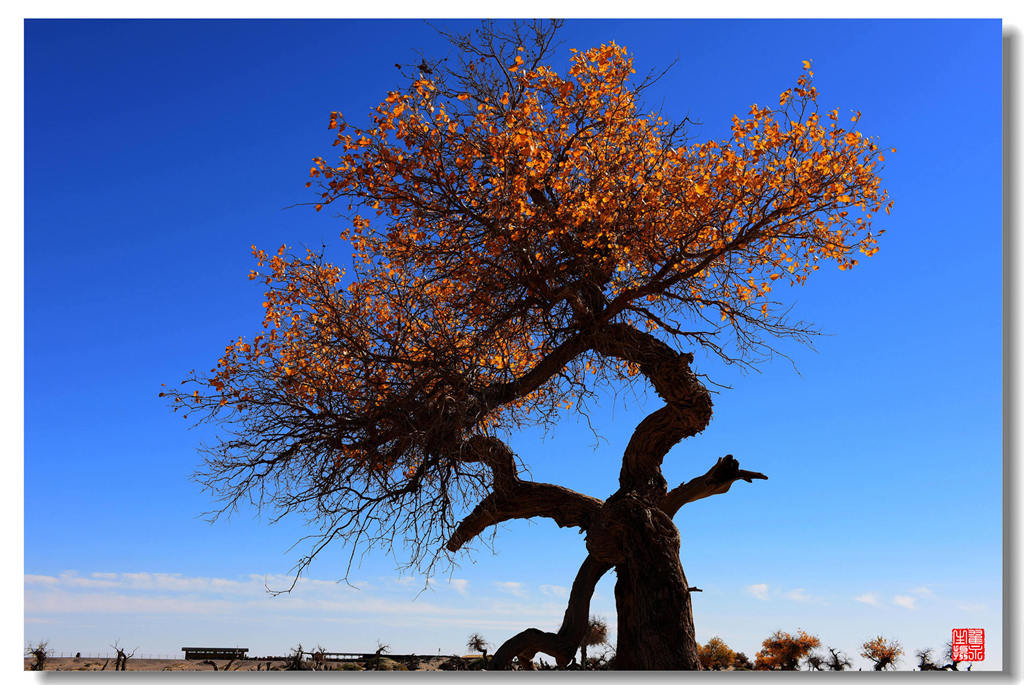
[(515, 499), (563, 644), (688, 404), (716, 481)]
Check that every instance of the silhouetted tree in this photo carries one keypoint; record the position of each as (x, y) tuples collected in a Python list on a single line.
[(121, 661), (381, 649), (951, 663), (815, 662), (837, 661), (924, 661), (40, 651), (741, 662), (597, 634), (477, 643)]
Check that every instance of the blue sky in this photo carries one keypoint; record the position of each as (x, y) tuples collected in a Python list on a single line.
[(157, 152)]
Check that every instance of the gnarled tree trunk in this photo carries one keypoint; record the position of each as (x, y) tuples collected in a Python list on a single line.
[(632, 531), (652, 600)]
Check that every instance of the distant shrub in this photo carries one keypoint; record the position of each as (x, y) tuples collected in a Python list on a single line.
[(387, 664), (347, 666)]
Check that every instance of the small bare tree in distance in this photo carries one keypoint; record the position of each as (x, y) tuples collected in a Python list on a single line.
[(477, 643), (40, 651), (837, 660), (121, 661)]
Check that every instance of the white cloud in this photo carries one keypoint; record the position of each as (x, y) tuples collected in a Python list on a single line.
[(797, 595), (460, 585), (868, 598), (759, 590), (31, 579), (555, 591), (904, 601), (923, 591), (511, 587)]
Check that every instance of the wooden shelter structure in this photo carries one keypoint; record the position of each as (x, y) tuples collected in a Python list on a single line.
[(195, 653)]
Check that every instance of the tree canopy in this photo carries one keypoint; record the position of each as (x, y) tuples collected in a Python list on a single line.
[(521, 239), (783, 651), (716, 655), (883, 653)]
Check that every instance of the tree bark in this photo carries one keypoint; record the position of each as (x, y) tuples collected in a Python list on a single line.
[(652, 597), (631, 531)]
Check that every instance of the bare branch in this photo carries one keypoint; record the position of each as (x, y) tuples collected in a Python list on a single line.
[(716, 481)]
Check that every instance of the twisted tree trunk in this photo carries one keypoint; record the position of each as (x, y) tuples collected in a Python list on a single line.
[(652, 600), (632, 531)]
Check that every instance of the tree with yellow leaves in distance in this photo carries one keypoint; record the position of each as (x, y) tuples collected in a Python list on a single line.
[(716, 655), (522, 239), (783, 651), (882, 653)]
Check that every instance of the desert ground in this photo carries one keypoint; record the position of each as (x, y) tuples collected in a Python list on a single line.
[(95, 664)]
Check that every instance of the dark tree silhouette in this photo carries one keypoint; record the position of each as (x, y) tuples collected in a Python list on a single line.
[(924, 661), (597, 634), (40, 651), (741, 662), (815, 662), (477, 643), (122, 656), (837, 660)]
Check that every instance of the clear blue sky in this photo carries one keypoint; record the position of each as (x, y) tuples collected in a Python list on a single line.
[(158, 152)]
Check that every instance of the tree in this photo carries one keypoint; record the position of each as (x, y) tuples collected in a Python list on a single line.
[(741, 662), (382, 648), (924, 661), (40, 651), (716, 655), (523, 240), (783, 652), (837, 661), (882, 653), (951, 663), (122, 656), (815, 662), (597, 634), (477, 643)]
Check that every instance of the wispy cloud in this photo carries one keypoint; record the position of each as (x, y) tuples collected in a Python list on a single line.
[(172, 594), (797, 595), (555, 591), (905, 601), (512, 588), (868, 598), (923, 591), (759, 590)]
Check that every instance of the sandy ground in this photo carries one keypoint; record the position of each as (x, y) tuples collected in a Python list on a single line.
[(83, 664)]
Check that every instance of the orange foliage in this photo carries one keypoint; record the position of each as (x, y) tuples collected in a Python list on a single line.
[(883, 653), (715, 655), (492, 224), (783, 652)]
